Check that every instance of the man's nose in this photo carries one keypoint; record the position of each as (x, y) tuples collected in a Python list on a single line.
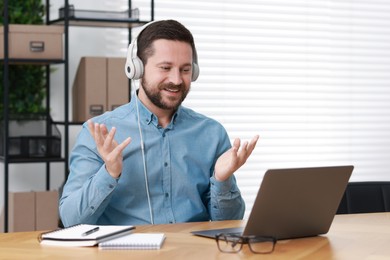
[(175, 77)]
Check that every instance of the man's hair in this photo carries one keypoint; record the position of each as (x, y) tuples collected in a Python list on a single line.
[(165, 29)]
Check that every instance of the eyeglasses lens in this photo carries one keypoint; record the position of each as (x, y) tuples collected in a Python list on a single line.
[(261, 245), (229, 244)]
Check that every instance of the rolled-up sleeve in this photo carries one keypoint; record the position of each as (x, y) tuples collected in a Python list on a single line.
[(226, 201), (89, 186)]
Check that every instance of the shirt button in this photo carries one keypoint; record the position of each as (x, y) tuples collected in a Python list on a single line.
[(166, 195), (165, 164), (163, 135), (111, 186)]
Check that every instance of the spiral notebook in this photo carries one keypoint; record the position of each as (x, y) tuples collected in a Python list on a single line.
[(143, 241), (83, 235)]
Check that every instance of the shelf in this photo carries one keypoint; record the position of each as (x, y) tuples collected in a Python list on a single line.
[(68, 123), (32, 160), (81, 18), (99, 22), (34, 61)]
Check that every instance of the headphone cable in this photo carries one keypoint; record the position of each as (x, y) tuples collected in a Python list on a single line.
[(143, 152)]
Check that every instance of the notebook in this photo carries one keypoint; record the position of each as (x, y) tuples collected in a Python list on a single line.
[(83, 235), (135, 241), (293, 203)]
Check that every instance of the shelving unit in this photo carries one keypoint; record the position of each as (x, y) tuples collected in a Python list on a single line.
[(65, 21)]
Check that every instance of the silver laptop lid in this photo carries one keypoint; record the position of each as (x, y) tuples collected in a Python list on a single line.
[(297, 202)]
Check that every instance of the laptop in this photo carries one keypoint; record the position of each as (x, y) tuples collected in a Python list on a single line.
[(293, 203)]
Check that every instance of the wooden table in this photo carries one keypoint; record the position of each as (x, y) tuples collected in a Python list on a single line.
[(355, 236)]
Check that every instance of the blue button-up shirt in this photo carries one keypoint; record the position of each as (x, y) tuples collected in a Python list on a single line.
[(180, 162)]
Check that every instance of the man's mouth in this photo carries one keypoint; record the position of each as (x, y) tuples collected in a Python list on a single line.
[(172, 90)]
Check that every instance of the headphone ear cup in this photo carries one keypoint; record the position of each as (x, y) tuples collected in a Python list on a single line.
[(134, 68), (137, 68), (195, 71), (129, 69)]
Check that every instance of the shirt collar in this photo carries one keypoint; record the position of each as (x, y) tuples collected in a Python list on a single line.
[(147, 116)]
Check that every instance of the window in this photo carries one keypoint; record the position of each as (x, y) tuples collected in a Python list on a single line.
[(311, 77)]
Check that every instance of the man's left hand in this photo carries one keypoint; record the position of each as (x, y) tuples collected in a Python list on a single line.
[(234, 158)]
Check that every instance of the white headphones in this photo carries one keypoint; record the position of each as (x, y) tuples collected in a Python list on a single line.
[(134, 67)]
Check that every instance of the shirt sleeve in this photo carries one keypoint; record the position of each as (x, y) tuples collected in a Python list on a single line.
[(87, 191), (226, 202)]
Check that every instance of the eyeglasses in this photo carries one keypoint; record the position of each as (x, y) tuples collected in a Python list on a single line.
[(232, 243)]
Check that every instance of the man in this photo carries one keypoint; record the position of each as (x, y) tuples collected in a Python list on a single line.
[(153, 160)]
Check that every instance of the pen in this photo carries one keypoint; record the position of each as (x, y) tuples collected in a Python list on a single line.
[(86, 233)]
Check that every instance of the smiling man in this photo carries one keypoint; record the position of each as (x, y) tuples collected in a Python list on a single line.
[(153, 160)]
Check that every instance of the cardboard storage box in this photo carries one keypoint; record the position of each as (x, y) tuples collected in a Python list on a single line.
[(46, 210), (100, 85), (21, 213), (29, 211), (117, 83), (89, 89), (33, 41)]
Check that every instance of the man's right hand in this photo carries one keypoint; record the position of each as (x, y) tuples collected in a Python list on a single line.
[(108, 148)]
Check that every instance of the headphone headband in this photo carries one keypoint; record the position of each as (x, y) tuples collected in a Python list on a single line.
[(134, 67)]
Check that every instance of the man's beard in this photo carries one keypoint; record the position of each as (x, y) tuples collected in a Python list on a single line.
[(155, 97)]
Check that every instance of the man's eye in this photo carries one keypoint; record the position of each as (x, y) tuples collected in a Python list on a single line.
[(165, 68)]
